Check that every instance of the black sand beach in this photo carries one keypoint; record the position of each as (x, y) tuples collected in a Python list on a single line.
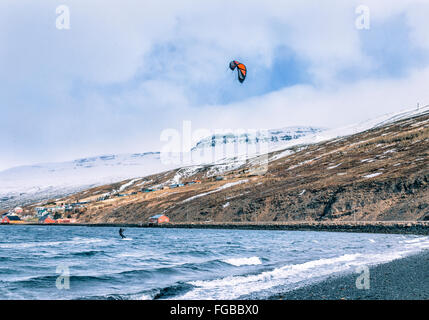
[(403, 279)]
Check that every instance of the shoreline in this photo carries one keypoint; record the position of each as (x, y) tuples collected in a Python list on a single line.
[(389, 227), (402, 279)]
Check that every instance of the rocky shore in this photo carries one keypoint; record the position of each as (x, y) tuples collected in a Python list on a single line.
[(414, 227)]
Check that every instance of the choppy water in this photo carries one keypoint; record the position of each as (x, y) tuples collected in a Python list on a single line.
[(182, 263)]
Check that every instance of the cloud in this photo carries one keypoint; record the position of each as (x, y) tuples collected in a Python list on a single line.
[(331, 106), (127, 70)]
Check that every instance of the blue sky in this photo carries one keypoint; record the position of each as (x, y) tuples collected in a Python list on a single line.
[(127, 70)]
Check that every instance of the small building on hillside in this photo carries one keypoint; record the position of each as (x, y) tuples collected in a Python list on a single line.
[(41, 211), (68, 208), (159, 218), (11, 219), (65, 220), (47, 219)]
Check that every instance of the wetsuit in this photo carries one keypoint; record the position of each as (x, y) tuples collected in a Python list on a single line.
[(121, 233)]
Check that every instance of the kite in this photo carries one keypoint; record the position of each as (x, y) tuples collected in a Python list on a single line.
[(241, 69)]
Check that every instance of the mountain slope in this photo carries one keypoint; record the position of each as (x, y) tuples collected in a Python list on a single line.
[(26, 184), (378, 174), (273, 137), (34, 183)]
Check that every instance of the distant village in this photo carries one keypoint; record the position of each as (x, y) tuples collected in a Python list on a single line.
[(57, 212)]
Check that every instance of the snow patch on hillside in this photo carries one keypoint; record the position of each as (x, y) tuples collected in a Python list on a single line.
[(225, 186)]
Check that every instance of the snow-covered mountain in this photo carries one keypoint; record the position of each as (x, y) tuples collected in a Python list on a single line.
[(25, 184), (20, 185), (33, 183), (261, 136), (86, 171)]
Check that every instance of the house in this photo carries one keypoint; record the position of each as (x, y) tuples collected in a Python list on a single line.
[(40, 211), (159, 218), (18, 210), (197, 181), (49, 220), (58, 209), (11, 219), (219, 178), (46, 219), (172, 186), (66, 220)]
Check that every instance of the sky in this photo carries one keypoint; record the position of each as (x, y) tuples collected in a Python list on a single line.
[(127, 70)]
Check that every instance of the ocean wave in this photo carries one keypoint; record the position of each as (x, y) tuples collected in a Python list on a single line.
[(234, 287), (144, 295), (148, 272), (48, 281), (136, 254), (33, 244), (173, 291), (89, 253), (118, 276), (418, 242), (185, 268), (69, 254), (195, 253), (238, 262)]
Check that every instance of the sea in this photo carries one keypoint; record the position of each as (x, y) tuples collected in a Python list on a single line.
[(77, 262)]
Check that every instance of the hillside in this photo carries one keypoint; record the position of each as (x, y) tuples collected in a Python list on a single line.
[(377, 174), (28, 184)]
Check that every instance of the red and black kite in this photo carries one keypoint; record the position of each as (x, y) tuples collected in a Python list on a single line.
[(241, 69)]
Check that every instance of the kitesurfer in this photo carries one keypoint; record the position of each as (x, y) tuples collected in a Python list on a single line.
[(121, 233)]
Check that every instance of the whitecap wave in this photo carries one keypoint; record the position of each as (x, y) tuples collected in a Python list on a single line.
[(24, 245), (289, 276), (238, 262)]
